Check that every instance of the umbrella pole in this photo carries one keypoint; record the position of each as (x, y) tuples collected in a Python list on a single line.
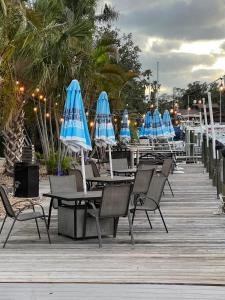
[(83, 171), (110, 162)]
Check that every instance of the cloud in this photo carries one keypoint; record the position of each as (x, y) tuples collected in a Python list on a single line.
[(185, 36), (180, 19), (164, 46)]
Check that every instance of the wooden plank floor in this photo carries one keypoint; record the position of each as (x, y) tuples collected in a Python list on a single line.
[(192, 253), (56, 291)]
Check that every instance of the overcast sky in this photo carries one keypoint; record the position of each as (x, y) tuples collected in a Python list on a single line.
[(187, 37)]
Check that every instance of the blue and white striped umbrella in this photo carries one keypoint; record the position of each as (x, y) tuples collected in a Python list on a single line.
[(74, 131), (169, 130), (158, 129), (146, 130), (125, 130), (104, 132)]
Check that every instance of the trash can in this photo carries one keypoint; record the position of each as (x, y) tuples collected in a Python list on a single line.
[(26, 179)]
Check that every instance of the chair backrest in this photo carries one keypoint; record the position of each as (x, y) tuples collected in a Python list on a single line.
[(79, 180), (63, 183), (115, 200), (88, 170), (142, 181), (6, 203), (167, 166), (94, 168), (145, 166), (119, 163), (155, 191)]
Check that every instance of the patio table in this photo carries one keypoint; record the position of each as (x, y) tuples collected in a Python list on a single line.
[(125, 172), (73, 197)]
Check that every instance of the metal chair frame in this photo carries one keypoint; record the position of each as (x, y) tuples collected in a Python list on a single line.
[(15, 215)]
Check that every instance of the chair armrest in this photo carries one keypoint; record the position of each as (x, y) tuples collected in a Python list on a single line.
[(22, 201)]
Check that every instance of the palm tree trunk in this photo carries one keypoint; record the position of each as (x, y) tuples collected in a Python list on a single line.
[(14, 139)]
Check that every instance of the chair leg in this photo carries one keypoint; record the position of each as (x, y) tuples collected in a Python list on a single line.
[(130, 227), (36, 221), (170, 187), (163, 219), (135, 206), (50, 212), (116, 221), (46, 225), (98, 231), (3, 223), (146, 212), (11, 228)]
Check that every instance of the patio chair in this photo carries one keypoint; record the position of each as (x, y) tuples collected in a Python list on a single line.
[(94, 168), (119, 163), (151, 202), (21, 214), (141, 184), (165, 171), (114, 204), (60, 184)]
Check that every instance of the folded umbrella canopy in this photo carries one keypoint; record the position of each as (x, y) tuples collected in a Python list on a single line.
[(158, 129), (146, 129), (169, 130), (125, 130), (104, 132), (74, 131)]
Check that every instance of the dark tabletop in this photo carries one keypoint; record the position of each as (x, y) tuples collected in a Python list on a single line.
[(75, 196), (108, 179), (134, 170)]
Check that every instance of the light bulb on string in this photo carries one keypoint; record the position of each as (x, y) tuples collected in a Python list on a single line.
[(47, 115), (17, 82), (61, 120), (91, 124), (33, 95), (21, 89), (41, 97), (35, 109)]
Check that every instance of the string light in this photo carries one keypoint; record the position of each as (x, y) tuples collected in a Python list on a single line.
[(33, 94), (87, 113), (152, 105), (56, 104), (199, 101), (37, 90), (35, 109), (45, 99), (61, 120), (135, 123), (128, 122), (17, 82), (143, 116), (22, 89), (47, 115), (189, 108), (115, 120), (41, 97), (91, 124), (171, 111)]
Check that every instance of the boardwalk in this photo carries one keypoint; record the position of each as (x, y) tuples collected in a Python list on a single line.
[(192, 253)]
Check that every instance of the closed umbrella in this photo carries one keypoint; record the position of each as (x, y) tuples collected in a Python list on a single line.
[(158, 129), (169, 130), (104, 132), (74, 131), (125, 130), (146, 129)]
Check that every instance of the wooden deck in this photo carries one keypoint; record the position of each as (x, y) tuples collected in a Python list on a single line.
[(193, 252)]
